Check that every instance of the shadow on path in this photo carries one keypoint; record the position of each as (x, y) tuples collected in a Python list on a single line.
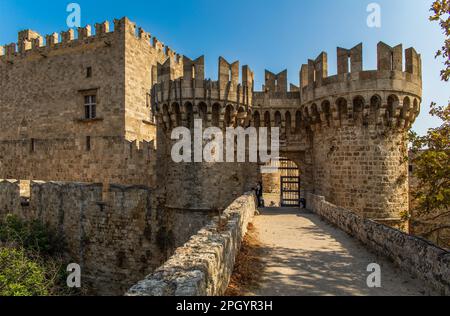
[(306, 256)]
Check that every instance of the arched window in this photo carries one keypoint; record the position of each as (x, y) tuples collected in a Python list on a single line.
[(203, 112), (288, 122), (189, 110), (257, 119), (298, 121), (392, 105), (267, 122), (341, 104), (358, 109), (326, 108), (216, 114), (229, 111), (315, 114), (277, 119), (406, 107), (375, 105)]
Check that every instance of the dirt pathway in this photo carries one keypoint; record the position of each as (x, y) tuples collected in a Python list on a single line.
[(306, 256)]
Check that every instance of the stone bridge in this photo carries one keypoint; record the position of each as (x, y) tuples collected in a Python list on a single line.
[(303, 255)]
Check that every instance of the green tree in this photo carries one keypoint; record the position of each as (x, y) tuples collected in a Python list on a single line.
[(432, 151), (441, 11)]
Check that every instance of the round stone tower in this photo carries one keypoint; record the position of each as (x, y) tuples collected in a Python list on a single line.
[(359, 122), (347, 132), (194, 104)]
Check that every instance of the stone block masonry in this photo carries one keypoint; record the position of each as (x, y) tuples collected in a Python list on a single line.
[(101, 107), (116, 234), (46, 132), (414, 255), (203, 266)]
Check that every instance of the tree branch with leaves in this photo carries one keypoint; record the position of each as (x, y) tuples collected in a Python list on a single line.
[(431, 152)]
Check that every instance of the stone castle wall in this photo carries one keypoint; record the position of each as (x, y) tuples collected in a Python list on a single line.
[(203, 266), (42, 89), (110, 159), (205, 187), (117, 234), (45, 134), (359, 169), (417, 256)]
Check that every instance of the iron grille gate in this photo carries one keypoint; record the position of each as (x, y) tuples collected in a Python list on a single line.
[(290, 183), (290, 191)]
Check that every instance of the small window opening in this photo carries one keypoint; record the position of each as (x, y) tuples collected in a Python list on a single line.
[(88, 143), (88, 72), (392, 61), (32, 145), (90, 107)]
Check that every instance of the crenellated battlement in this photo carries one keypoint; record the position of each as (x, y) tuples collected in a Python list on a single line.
[(30, 42), (389, 96), (222, 102), (391, 73)]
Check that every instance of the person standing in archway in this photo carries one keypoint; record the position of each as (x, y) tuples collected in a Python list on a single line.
[(259, 194)]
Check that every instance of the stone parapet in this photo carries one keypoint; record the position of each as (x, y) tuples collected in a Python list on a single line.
[(415, 255), (203, 266)]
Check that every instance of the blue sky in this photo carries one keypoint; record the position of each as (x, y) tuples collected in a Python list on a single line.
[(272, 34)]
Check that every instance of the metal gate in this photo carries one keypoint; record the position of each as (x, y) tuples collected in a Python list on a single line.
[(290, 183)]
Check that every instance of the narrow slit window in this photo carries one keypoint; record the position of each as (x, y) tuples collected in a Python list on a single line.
[(88, 143), (392, 61), (88, 72), (32, 145)]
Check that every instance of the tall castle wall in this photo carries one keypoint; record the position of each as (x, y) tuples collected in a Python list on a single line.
[(203, 186), (45, 134), (114, 240), (117, 234)]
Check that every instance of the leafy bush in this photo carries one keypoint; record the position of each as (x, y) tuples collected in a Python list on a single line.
[(21, 276), (31, 259), (33, 236)]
